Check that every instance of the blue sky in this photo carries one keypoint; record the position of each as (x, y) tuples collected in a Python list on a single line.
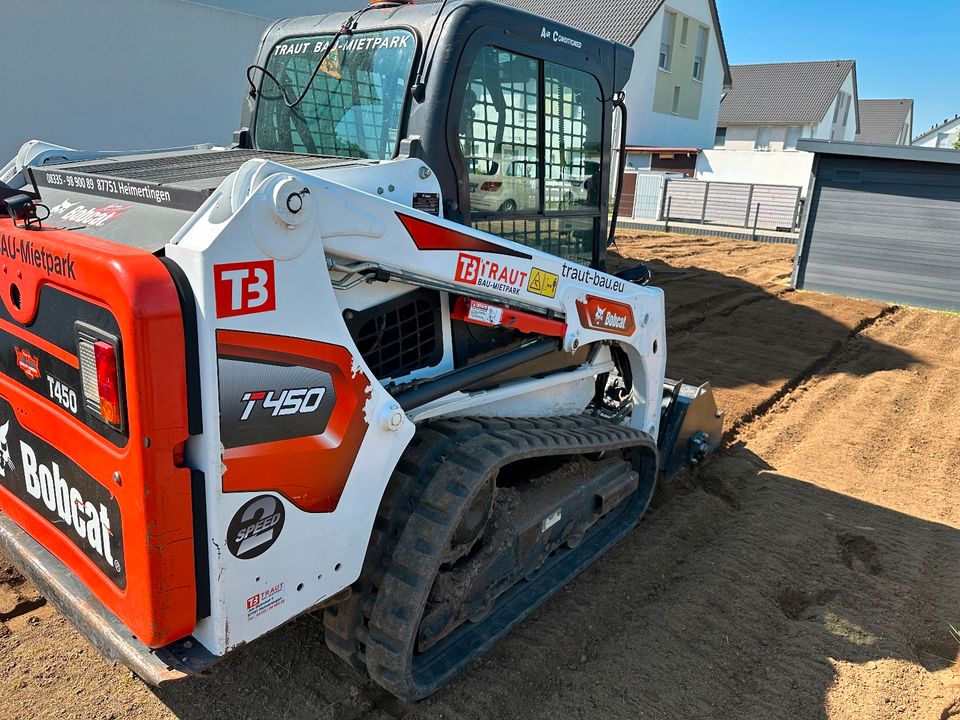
[(902, 49)]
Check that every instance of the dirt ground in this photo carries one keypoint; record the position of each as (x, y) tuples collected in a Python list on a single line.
[(808, 570)]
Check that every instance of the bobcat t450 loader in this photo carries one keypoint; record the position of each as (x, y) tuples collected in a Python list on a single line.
[(302, 374)]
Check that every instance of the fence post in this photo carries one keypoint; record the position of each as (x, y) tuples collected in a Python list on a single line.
[(703, 210), (796, 212), (666, 219), (746, 218), (756, 217)]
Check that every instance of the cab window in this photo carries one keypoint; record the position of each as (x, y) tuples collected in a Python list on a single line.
[(541, 125)]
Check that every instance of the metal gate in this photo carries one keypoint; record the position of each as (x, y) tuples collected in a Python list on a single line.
[(643, 193)]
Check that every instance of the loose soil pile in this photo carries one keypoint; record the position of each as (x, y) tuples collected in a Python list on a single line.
[(808, 570)]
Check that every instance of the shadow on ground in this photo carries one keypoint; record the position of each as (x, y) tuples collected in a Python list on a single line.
[(737, 598), (736, 333)]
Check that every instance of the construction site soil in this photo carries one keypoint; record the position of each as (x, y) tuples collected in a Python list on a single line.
[(809, 569)]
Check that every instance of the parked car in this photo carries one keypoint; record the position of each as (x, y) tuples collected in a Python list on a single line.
[(504, 185), (510, 185)]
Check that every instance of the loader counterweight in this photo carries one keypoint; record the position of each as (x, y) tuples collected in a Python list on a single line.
[(111, 504)]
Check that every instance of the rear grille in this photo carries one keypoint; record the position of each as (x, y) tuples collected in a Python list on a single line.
[(400, 336), (195, 166)]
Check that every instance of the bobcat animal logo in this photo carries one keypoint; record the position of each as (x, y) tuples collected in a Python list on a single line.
[(5, 460)]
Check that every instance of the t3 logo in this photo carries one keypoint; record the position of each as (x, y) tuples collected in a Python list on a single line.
[(244, 288)]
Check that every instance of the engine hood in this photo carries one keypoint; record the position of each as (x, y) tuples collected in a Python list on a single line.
[(143, 200)]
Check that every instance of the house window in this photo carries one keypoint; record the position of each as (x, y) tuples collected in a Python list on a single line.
[(793, 134), (684, 26), (701, 55), (841, 113), (666, 39), (763, 138), (942, 139), (676, 100), (721, 138)]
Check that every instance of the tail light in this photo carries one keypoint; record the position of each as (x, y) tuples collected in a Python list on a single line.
[(108, 382), (491, 186), (100, 374)]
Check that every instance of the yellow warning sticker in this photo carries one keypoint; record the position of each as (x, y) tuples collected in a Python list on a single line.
[(543, 283)]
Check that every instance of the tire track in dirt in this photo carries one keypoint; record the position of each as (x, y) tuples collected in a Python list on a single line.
[(780, 400)]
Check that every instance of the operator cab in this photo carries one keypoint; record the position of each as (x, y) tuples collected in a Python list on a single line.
[(512, 112)]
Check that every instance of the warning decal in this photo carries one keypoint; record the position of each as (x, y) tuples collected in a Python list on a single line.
[(543, 283)]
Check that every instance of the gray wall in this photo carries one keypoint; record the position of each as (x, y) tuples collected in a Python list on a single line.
[(284, 8), (128, 74), (884, 229)]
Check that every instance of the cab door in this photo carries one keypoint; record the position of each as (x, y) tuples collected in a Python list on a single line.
[(530, 134)]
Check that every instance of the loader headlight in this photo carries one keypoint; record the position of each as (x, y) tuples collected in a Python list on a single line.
[(25, 212)]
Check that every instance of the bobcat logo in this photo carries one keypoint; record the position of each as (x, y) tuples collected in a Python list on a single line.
[(598, 315), (5, 460)]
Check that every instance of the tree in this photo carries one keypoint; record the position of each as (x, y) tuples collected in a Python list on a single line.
[(956, 145)]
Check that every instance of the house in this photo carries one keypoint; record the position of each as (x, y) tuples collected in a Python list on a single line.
[(769, 108), (885, 122), (944, 135), (680, 70)]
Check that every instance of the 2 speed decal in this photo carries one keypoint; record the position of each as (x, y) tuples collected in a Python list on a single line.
[(255, 527)]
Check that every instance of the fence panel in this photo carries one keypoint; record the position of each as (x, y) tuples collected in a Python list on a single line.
[(684, 200), (771, 207), (779, 205), (727, 203)]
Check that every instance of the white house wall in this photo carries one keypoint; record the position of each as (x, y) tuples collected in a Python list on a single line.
[(952, 130), (823, 130), (739, 161), (749, 166), (744, 137), (650, 129)]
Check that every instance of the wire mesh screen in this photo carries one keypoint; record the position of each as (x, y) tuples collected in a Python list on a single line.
[(499, 127), (573, 132), (399, 341), (533, 155), (570, 238), (353, 105)]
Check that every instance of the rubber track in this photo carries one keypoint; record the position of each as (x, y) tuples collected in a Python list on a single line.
[(434, 483)]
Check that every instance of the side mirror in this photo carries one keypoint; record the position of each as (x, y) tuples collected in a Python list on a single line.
[(639, 274)]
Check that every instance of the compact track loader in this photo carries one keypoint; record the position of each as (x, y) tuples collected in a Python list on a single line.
[(307, 373)]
